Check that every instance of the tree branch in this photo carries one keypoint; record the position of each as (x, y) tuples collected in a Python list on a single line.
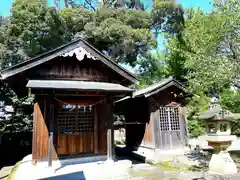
[(90, 4)]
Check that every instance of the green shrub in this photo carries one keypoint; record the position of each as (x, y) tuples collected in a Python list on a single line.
[(195, 128)]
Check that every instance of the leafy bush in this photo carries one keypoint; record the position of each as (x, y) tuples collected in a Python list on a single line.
[(231, 101), (195, 128), (196, 105)]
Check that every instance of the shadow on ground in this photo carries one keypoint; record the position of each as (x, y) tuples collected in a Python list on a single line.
[(202, 159), (71, 176)]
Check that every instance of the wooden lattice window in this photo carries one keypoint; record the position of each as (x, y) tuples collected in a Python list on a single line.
[(169, 119), (74, 120), (174, 117)]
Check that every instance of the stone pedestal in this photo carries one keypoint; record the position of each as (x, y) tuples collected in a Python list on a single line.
[(214, 176), (222, 163)]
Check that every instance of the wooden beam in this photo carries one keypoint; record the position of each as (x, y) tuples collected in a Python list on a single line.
[(51, 129), (77, 94)]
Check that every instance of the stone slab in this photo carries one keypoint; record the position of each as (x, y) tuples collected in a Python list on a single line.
[(5, 171)]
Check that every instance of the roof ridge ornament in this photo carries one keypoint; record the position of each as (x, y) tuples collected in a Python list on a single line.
[(214, 103), (80, 54), (214, 100)]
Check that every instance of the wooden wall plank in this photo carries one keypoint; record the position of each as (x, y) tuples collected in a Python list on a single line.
[(147, 138), (71, 144), (41, 131), (40, 138)]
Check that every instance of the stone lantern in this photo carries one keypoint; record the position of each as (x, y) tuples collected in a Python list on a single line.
[(218, 126)]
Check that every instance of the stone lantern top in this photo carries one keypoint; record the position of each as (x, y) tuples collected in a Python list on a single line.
[(216, 112)]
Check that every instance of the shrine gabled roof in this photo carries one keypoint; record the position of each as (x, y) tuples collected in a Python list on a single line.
[(80, 48)]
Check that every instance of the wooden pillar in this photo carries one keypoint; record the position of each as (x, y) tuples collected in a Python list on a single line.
[(186, 136), (182, 126), (34, 137), (169, 126), (95, 115), (110, 134), (51, 130), (156, 129)]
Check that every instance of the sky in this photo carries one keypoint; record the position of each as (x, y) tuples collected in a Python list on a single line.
[(206, 5)]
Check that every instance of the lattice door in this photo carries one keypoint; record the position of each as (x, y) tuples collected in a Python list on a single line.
[(75, 129), (169, 126), (74, 120)]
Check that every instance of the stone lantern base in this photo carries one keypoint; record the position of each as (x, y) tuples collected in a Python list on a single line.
[(220, 143), (220, 146), (221, 164)]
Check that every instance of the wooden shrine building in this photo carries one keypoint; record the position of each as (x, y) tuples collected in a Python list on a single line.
[(74, 87), (155, 117)]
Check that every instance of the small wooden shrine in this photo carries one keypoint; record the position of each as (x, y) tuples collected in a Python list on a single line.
[(155, 116), (218, 126), (74, 87)]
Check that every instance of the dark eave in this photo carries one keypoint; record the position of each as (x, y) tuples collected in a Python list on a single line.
[(157, 87), (154, 89), (33, 62), (77, 85)]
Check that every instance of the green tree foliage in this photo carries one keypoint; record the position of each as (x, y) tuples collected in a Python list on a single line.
[(209, 47), (231, 101), (206, 55), (195, 106), (151, 68), (21, 118), (120, 33), (32, 28), (168, 16), (124, 33), (167, 21), (175, 59)]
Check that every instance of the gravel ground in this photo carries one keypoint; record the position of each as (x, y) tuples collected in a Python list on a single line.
[(197, 167)]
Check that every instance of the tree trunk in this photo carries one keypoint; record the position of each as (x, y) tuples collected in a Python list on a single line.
[(66, 3), (57, 4), (101, 3)]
